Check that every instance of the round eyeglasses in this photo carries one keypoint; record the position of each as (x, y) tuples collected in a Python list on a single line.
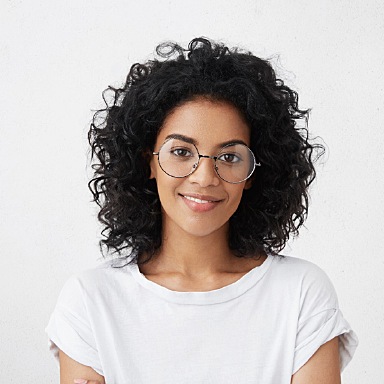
[(234, 163)]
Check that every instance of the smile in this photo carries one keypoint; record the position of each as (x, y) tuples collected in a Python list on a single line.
[(197, 200), (200, 204)]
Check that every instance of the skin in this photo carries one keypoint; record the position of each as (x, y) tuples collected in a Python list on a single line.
[(195, 255), (71, 370)]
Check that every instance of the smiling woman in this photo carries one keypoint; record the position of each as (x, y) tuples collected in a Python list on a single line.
[(202, 126), (201, 174)]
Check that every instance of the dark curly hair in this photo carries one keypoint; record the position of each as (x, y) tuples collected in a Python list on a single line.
[(124, 132)]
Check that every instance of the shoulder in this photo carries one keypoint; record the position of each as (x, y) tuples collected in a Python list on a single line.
[(100, 280), (296, 264), (294, 268), (306, 279)]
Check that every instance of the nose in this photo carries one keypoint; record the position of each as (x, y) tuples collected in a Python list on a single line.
[(205, 174)]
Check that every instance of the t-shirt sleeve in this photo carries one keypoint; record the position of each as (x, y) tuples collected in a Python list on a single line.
[(69, 328), (321, 320)]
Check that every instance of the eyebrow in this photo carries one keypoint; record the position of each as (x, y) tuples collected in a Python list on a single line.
[(189, 140)]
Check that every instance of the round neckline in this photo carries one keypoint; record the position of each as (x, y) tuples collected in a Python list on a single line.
[(220, 295)]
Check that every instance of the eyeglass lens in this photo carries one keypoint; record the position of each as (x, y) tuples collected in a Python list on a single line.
[(234, 163)]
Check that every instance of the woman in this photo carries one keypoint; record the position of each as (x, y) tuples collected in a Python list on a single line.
[(202, 175)]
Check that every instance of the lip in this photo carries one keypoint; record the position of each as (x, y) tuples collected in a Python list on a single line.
[(200, 207), (201, 197)]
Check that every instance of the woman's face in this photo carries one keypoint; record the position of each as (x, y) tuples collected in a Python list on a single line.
[(200, 203)]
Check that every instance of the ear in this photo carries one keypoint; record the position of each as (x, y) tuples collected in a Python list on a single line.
[(150, 159), (248, 184), (152, 165), (153, 169)]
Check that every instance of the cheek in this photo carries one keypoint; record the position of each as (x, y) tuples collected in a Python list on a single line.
[(237, 193), (166, 185), (235, 196)]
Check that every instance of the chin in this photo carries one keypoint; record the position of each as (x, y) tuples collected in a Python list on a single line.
[(198, 229)]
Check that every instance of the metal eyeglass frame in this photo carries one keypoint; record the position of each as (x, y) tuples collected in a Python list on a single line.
[(194, 167)]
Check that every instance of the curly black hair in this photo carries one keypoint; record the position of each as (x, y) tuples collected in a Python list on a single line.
[(124, 132)]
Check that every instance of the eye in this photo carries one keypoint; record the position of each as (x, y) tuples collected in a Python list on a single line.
[(229, 158), (181, 152)]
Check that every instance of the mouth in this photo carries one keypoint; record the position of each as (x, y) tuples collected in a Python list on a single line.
[(200, 203), (197, 200), (201, 199)]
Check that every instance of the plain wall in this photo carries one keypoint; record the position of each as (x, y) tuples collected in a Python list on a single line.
[(58, 56)]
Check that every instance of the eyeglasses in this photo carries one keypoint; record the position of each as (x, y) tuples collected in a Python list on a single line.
[(234, 163)]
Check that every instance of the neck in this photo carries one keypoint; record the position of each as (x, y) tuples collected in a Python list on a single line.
[(192, 256)]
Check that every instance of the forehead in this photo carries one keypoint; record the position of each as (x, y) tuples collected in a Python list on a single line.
[(208, 123)]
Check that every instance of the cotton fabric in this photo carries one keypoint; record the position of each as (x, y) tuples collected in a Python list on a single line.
[(260, 329)]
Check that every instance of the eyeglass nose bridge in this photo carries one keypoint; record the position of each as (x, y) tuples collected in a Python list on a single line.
[(206, 157)]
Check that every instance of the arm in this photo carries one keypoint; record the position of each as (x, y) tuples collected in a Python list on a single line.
[(71, 369), (322, 368)]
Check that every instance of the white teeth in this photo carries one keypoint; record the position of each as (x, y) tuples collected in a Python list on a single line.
[(197, 200)]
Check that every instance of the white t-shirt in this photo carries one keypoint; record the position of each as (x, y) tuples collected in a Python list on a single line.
[(260, 329)]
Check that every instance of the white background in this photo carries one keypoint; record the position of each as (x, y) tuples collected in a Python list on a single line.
[(58, 56)]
